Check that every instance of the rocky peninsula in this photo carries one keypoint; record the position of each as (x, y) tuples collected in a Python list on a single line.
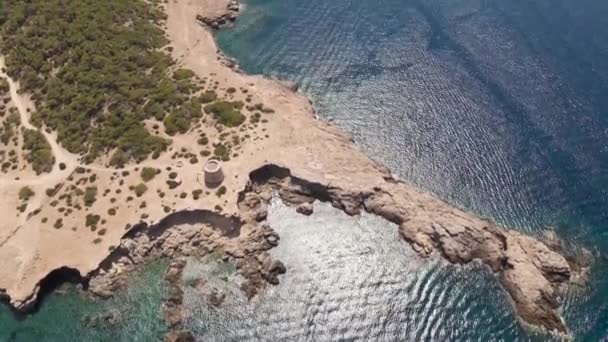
[(289, 152)]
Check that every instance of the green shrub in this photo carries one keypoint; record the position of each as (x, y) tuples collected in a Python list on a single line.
[(226, 113), (90, 196), (25, 193), (119, 158), (9, 125), (38, 151), (221, 191), (172, 184), (176, 122), (58, 223), (196, 194), (148, 173), (140, 189), (208, 97), (221, 152), (50, 191), (183, 74), (255, 118), (91, 220), (4, 86)]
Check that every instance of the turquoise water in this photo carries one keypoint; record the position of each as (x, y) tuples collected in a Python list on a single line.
[(61, 316), (497, 106)]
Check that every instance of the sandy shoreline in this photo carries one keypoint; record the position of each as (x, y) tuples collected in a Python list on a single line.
[(293, 153)]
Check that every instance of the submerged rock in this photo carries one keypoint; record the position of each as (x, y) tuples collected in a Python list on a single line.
[(180, 336), (216, 298)]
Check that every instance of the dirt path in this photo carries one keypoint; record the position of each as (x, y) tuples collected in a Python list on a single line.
[(23, 102)]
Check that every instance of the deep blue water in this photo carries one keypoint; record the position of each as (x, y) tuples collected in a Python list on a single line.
[(500, 107)]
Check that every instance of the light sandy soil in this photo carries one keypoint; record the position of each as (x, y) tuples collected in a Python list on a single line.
[(313, 150)]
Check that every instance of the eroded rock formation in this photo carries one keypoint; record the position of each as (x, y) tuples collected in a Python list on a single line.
[(529, 271), (217, 21)]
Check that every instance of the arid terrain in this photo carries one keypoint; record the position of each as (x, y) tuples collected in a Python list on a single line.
[(78, 213)]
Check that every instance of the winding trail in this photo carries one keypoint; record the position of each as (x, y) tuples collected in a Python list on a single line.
[(57, 176), (23, 103)]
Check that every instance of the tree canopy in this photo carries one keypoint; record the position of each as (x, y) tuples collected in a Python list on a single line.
[(96, 70)]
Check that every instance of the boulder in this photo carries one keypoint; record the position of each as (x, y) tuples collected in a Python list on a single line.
[(305, 208)]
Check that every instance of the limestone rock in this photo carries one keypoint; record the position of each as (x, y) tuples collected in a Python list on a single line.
[(305, 208)]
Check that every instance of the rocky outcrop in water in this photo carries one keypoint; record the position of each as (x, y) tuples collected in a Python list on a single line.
[(530, 272), (194, 233)]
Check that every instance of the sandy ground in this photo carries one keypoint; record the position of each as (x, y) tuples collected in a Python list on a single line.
[(30, 248)]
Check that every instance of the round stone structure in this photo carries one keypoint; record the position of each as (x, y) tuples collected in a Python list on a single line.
[(213, 172)]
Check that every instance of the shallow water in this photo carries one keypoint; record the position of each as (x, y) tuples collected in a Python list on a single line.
[(61, 316)]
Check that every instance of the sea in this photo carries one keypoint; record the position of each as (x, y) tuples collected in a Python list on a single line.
[(499, 107)]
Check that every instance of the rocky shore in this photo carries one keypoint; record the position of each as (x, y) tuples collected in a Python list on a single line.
[(243, 240), (218, 21), (530, 272)]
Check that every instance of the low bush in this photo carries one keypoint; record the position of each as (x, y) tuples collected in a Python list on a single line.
[(226, 113), (90, 196), (25, 193), (140, 189), (208, 97), (38, 151), (148, 173), (221, 191), (91, 220)]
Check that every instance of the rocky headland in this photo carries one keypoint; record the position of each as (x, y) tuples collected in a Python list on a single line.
[(295, 155)]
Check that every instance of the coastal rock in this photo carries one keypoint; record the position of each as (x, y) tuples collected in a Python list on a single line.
[(305, 208), (277, 267), (217, 21), (530, 272), (111, 318)]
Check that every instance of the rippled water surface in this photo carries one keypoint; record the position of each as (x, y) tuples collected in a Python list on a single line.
[(354, 279), (497, 106)]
